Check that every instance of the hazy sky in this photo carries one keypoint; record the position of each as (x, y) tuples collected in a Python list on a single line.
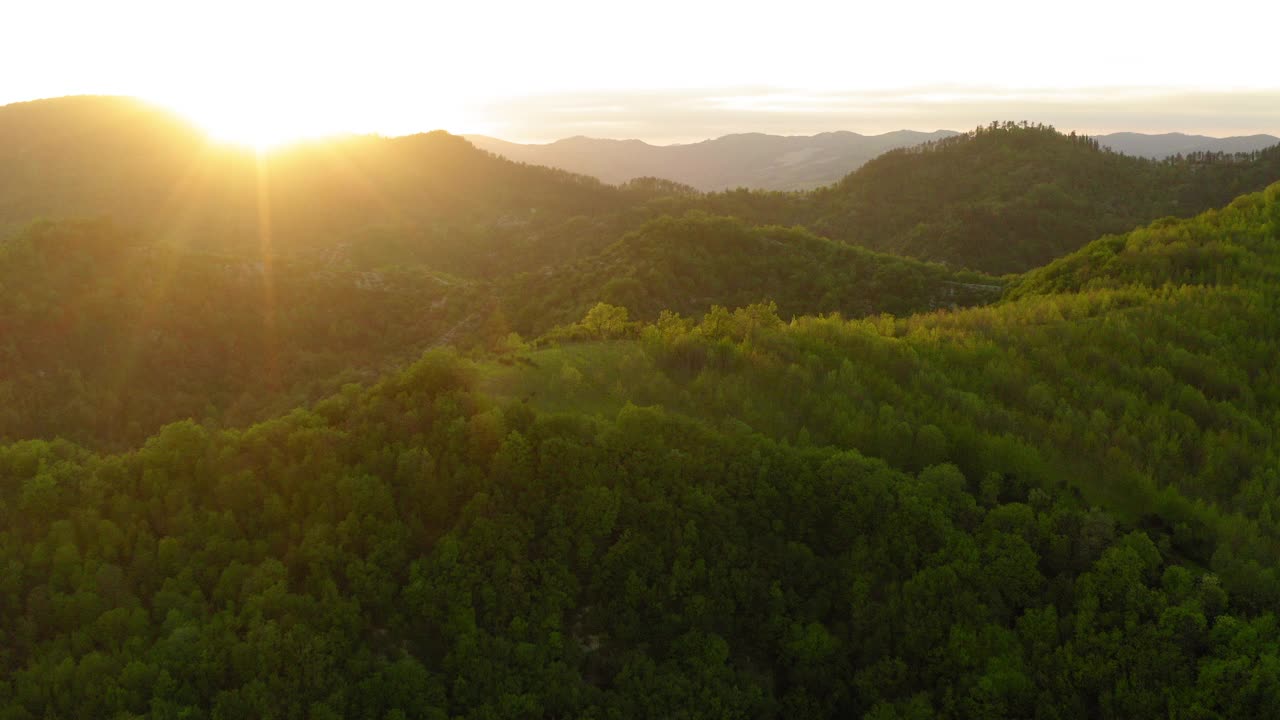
[(662, 70)]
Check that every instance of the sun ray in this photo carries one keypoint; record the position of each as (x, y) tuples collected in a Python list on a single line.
[(267, 251), (157, 265)]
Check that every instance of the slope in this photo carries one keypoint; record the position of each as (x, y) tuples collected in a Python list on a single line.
[(1139, 371), (105, 337), (421, 549), (423, 198), (688, 264), (1008, 198)]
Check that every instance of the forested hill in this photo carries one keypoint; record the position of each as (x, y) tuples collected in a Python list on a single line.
[(797, 162), (1155, 349), (106, 335), (1010, 198), (230, 288), (1060, 506), (85, 156), (691, 263), (1005, 198), (229, 291), (430, 197)]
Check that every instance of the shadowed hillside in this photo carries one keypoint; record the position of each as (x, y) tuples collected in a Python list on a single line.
[(1004, 198), (1009, 198), (686, 265), (442, 200)]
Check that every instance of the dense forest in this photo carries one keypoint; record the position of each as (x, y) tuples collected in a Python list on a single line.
[(104, 337), (690, 263), (538, 446), (1008, 198), (256, 285), (1061, 506), (1005, 198)]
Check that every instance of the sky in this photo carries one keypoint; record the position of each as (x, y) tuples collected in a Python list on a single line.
[(660, 70)]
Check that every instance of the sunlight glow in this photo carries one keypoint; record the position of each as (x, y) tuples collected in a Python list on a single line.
[(258, 132), (265, 72), (263, 122)]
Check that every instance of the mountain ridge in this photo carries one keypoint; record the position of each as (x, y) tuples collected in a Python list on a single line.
[(1163, 145), (824, 158), (770, 162)]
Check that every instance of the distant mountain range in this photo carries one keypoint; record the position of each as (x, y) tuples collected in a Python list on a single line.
[(754, 160), (792, 162), (1169, 144)]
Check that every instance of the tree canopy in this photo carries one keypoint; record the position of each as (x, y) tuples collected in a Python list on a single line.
[(482, 440)]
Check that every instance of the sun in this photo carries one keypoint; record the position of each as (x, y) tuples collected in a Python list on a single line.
[(267, 118), (258, 122), (260, 134), (259, 128)]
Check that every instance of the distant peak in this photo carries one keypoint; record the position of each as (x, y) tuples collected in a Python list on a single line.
[(585, 140)]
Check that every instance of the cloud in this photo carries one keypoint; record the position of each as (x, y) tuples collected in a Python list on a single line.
[(691, 115)]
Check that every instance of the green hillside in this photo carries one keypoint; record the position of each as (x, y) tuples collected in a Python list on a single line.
[(106, 334), (1062, 505), (392, 428), (1005, 198), (230, 287), (689, 264), (1141, 364), (1009, 198)]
